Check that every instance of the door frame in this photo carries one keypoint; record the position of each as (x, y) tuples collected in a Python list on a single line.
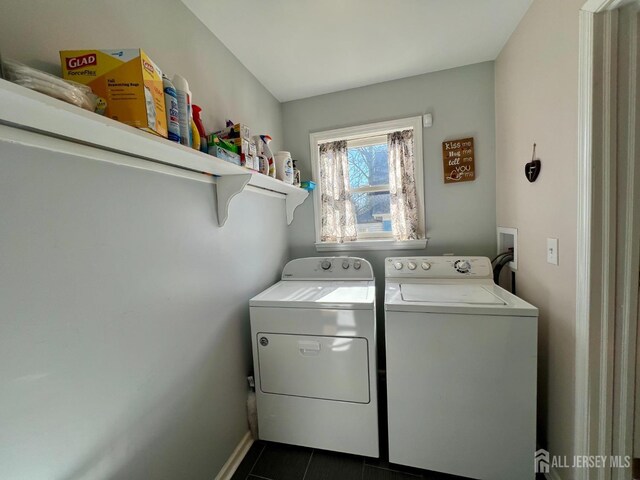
[(608, 259)]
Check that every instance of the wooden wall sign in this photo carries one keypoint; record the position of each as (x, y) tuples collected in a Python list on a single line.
[(458, 160)]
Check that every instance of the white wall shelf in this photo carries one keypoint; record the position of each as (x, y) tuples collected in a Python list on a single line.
[(30, 110)]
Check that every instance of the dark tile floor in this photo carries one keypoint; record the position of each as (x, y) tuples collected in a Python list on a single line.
[(277, 461)]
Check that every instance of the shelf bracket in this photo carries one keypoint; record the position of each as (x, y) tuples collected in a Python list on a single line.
[(228, 187), (292, 202)]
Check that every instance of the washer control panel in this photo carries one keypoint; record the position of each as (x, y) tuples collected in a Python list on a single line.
[(438, 267), (328, 268)]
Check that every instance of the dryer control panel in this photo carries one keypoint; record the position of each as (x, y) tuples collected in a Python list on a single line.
[(438, 267), (328, 268)]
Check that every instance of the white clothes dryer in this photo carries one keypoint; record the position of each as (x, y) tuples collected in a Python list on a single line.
[(314, 354)]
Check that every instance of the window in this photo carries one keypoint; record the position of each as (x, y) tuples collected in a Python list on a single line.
[(369, 183), (358, 205)]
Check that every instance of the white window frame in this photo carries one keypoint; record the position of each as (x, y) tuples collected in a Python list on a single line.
[(351, 134)]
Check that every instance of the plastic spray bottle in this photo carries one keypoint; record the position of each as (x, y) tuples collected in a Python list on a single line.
[(195, 136), (184, 108), (266, 139), (171, 106), (200, 127)]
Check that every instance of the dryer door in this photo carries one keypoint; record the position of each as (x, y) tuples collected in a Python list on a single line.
[(329, 368)]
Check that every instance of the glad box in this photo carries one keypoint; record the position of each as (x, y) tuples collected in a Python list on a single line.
[(127, 80)]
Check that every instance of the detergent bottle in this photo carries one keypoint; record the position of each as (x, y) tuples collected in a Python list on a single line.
[(284, 167)]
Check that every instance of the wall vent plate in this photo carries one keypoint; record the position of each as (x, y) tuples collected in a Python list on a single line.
[(508, 238)]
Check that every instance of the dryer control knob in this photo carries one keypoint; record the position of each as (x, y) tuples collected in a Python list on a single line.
[(326, 264), (345, 264), (357, 264), (411, 266), (398, 265), (426, 265), (463, 266)]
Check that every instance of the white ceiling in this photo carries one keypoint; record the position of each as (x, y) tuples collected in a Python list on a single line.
[(302, 48)]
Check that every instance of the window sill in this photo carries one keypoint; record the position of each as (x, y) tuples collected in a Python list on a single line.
[(371, 245)]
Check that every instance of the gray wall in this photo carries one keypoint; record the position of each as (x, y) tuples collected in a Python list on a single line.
[(124, 329), (35, 31), (460, 218), (124, 339)]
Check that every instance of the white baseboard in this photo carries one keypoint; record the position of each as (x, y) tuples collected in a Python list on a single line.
[(552, 475), (234, 460)]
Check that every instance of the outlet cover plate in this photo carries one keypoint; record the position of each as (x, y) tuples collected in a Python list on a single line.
[(552, 251)]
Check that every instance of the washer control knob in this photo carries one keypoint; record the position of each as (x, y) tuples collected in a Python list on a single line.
[(326, 264), (398, 265), (426, 265), (345, 264), (463, 266), (357, 264), (411, 266)]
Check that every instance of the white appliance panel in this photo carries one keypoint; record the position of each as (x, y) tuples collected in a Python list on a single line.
[(310, 321), (318, 294), (459, 268), (326, 425), (462, 393), (329, 368), (328, 268), (470, 294), (507, 304)]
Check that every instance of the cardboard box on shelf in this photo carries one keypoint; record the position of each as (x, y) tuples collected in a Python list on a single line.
[(127, 80), (250, 161), (213, 139), (223, 154), (239, 130), (246, 149)]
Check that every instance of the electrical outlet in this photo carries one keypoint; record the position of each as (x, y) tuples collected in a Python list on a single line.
[(552, 251)]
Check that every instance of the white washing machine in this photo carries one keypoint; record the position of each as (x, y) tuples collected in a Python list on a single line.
[(461, 369), (314, 356)]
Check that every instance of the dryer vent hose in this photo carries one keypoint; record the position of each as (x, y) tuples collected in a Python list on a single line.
[(498, 264)]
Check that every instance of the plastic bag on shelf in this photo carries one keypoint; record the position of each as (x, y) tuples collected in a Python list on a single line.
[(66, 90)]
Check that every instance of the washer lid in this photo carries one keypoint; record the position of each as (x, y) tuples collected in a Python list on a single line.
[(467, 294), (469, 298), (351, 294)]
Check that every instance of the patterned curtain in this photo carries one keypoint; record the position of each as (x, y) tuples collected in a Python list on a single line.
[(338, 214), (402, 186)]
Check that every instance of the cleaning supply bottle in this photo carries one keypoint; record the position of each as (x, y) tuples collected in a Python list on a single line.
[(199, 125), (184, 108), (195, 135), (296, 174), (266, 139), (284, 167), (263, 161), (171, 106)]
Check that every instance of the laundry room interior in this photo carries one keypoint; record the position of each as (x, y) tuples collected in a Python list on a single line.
[(345, 241)]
